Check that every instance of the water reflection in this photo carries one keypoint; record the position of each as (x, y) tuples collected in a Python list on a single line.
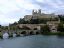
[(61, 37), (5, 35), (34, 41), (14, 35)]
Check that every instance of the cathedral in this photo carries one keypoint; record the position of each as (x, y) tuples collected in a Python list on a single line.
[(39, 15)]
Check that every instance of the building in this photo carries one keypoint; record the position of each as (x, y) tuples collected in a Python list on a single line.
[(38, 15)]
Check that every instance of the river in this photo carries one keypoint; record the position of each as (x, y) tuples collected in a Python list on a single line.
[(34, 41)]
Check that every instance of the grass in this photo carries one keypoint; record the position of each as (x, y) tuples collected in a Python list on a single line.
[(54, 33), (1, 35)]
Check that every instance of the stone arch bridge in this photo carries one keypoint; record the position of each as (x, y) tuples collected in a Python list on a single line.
[(25, 32), (29, 32)]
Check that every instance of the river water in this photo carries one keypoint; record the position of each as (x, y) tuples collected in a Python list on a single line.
[(34, 41)]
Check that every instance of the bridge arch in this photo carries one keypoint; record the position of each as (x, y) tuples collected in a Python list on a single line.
[(23, 32), (37, 33), (31, 33)]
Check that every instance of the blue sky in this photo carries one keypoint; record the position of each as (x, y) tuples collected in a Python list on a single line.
[(12, 10)]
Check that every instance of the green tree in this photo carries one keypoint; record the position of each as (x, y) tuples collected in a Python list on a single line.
[(60, 27), (0, 26), (42, 21), (15, 23), (45, 29), (21, 21), (34, 21)]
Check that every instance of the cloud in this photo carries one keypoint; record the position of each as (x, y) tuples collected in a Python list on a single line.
[(12, 10), (7, 6)]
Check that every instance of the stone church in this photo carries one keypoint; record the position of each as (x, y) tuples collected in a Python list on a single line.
[(39, 15)]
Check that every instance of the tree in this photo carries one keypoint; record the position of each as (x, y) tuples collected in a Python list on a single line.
[(0, 26), (61, 17), (45, 29), (42, 21), (60, 27), (21, 21), (15, 23), (34, 21)]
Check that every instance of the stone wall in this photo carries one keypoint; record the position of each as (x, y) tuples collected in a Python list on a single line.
[(52, 27), (31, 26)]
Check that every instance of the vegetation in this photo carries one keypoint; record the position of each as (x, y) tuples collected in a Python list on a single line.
[(61, 18), (22, 21), (10, 34), (32, 21), (36, 21), (45, 28), (1, 35), (60, 27)]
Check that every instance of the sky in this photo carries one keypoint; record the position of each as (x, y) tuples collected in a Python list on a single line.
[(12, 10)]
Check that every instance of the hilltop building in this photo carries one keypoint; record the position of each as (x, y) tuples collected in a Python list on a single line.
[(38, 15)]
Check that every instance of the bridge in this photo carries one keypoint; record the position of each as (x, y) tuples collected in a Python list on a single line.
[(24, 32), (29, 32)]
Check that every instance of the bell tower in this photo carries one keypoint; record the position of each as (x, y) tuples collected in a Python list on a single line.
[(34, 12), (39, 11)]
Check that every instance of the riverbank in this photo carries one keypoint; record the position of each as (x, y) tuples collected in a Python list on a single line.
[(53, 33), (42, 33)]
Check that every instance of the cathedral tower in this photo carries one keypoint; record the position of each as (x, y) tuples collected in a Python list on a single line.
[(39, 11), (34, 12)]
